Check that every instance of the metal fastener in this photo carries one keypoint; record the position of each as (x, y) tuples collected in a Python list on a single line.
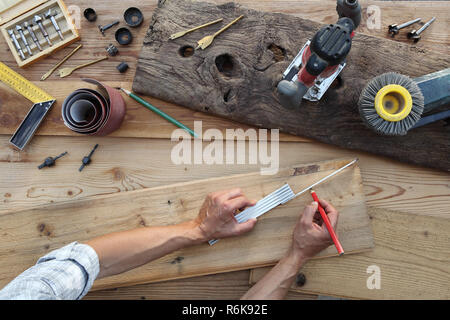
[(16, 43), (415, 34), (38, 21), (29, 27), (108, 26), (51, 15), (394, 28), (24, 39)]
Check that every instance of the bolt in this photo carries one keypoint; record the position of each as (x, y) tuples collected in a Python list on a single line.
[(415, 34), (24, 39), (38, 21), (108, 26), (29, 27), (394, 28), (16, 43), (51, 15)]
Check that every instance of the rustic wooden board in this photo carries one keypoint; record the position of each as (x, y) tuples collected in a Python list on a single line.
[(243, 87), (410, 250), (28, 234)]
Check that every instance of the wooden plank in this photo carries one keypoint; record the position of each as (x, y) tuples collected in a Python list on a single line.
[(141, 123), (224, 286), (410, 250), (145, 164), (28, 234), (243, 88)]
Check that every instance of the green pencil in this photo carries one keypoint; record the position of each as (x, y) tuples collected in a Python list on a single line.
[(159, 112)]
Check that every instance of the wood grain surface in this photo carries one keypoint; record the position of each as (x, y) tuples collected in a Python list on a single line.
[(146, 163), (26, 235), (236, 78), (411, 252)]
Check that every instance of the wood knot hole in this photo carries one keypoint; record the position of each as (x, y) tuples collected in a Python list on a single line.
[(301, 280), (186, 51), (279, 53), (225, 64)]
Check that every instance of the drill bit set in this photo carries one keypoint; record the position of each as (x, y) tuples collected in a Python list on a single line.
[(32, 35)]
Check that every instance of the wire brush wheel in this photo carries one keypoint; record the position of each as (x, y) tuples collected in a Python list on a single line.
[(391, 104)]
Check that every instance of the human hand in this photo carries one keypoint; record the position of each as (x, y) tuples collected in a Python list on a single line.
[(216, 217), (310, 234)]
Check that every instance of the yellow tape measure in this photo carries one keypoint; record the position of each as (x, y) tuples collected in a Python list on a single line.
[(22, 85)]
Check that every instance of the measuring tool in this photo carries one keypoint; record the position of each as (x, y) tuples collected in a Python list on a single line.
[(279, 196), (42, 104)]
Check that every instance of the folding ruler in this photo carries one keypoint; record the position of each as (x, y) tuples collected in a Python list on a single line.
[(42, 104)]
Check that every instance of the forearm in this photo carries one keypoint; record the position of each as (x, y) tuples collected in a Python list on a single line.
[(122, 251), (276, 283)]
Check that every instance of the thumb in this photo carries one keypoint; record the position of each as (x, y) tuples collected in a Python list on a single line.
[(244, 227), (309, 212)]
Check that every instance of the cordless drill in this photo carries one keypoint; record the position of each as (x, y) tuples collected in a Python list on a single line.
[(321, 60)]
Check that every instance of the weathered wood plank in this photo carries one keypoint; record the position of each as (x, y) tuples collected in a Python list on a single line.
[(26, 235), (236, 78), (410, 250)]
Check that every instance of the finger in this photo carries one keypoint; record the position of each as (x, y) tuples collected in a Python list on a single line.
[(230, 194), (235, 204), (241, 228), (309, 212), (331, 212)]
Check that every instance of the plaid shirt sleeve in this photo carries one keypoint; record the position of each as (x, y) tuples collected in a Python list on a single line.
[(64, 274)]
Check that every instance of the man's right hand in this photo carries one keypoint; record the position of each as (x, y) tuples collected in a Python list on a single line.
[(310, 234), (216, 217)]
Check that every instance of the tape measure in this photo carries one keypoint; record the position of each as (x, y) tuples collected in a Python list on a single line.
[(22, 85)]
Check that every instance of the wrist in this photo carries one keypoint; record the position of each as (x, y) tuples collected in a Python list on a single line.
[(297, 256), (195, 232)]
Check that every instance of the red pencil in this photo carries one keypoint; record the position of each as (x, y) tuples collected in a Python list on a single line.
[(328, 225)]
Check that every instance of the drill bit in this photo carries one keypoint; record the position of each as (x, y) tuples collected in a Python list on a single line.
[(415, 34), (50, 161), (51, 15), (29, 27), (38, 21), (24, 39), (86, 160), (16, 43)]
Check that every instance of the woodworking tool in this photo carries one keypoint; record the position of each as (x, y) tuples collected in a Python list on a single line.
[(415, 34), (42, 103), (45, 76), (50, 161), (327, 222), (112, 50), (122, 67), (38, 21), (24, 39), (108, 26), (393, 29), (65, 72), (16, 44), (278, 197), (123, 36), (90, 14), (182, 33), (87, 160), (50, 14), (159, 112), (321, 59), (392, 103), (29, 27), (133, 17), (206, 41), (94, 112)]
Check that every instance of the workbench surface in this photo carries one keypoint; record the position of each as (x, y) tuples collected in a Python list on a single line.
[(122, 164)]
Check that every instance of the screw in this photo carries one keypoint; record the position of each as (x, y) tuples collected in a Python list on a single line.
[(51, 15), (29, 27), (415, 35), (394, 28), (24, 39), (38, 21), (16, 43), (104, 28)]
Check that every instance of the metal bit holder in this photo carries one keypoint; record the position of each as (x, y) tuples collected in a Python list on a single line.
[(38, 32)]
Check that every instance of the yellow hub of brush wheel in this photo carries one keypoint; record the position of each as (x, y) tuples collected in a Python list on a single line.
[(393, 103)]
